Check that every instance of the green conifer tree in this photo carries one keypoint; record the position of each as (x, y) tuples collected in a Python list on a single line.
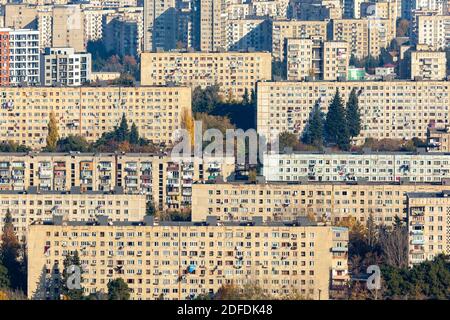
[(353, 115), (336, 129)]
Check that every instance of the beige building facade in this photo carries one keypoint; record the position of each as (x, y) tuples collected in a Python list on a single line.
[(33, 205), (91, 111), (182, 260), (428, 65), (328, 201), (389, 109), (284, 29), (166, 182), (428, 225), (308, 59), (234, 72), (438, 139)]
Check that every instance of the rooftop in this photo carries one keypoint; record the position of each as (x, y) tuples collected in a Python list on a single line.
[(443, 194), (73, 190), (58, 220)]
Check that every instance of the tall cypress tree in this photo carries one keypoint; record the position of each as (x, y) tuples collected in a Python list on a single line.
[(52, 134), (10, 254), (134, 134), (122, 132), (353, 115), (314, 131), (336, 129), (245, 97)]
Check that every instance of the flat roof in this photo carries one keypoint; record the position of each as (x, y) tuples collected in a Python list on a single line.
[(73, 190), (149, 221), (443, 194)]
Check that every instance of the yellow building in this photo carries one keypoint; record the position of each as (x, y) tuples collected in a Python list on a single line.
[(327, 201), (234, 72), (183, 260), (428, 225), (91, 111), (285, 29), (33, 205), (438, 139), (165, 181), (389, 109), (365, 36), (428, 65)]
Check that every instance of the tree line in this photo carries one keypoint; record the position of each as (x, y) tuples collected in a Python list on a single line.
[(122, 138), (337, 128), (387, 247)]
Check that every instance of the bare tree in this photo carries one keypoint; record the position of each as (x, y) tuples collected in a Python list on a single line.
[(394, 244)]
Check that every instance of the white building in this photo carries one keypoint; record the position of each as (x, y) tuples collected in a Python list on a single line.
[(19, 64), (66, 67), (346, 166)]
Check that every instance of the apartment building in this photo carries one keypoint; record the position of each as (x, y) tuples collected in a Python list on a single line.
[(19, 56), (234, 72), (94, 20), (428, 225), (352, 166), (44, 21), (166, 182), (66, 67), (123, 31), (91, 111), (284, 29), (317, 9), (250, 33), (365, 36), (317, 60), (68, 27), (211, 25), (160, 25), (438, 139), (277, 9), (33, 205), (432, 30), (355, 32), (336, 58), (389, 109), (428, 65), (19, 16), (182, 260), (332, 202)]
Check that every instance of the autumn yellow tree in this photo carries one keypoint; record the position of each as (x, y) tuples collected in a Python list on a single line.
[(52, 135), (188, 124)]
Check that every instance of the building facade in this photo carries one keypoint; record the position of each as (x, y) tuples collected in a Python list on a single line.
[(19, 57), (63, 66), (91, 111), (308, 59), (428, 65), (348, 166), (234, 72), (333, 202), (167, 183), (284, 29), (389, 109), (168, 260), (33, 205), (428, 225)]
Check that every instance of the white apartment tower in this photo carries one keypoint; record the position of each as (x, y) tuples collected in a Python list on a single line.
[(19, 56), (66, 67)]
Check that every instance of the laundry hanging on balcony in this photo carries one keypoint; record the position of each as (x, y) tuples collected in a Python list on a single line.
[(192, 268)]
